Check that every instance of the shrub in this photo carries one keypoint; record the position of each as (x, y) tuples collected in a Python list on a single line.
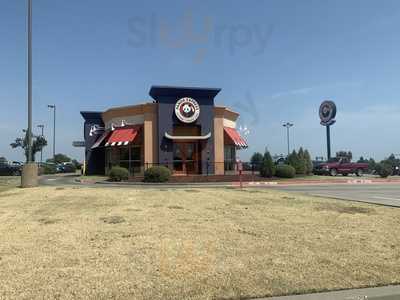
[(48, 169), (268, 167), (383, 169), (118, 174), (302, 164), (294, 160), (285, 171), (256, 161), (157, 174)]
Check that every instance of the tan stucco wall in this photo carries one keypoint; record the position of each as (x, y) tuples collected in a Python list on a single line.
[(230, 117), (118, 113), (219, 141), (150, 133), (223, 117)]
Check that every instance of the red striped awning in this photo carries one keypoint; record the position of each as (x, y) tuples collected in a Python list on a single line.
[(235, 137), (123, 136)]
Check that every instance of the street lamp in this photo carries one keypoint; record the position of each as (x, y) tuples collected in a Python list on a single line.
[(29, 174), (41, 150), (288, 125), (53, 107)]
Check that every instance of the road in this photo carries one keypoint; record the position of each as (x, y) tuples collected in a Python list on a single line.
[(383, 194), (58, 180)]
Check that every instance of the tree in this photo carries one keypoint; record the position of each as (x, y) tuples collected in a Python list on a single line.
[(362, 160), (302, 162), (294, 160), (256, 160), (371, 165), (309, 164), (38, 143), (268, 166), (345, 154), (3, 159), (59, 158), (384, 169), (392, 160)]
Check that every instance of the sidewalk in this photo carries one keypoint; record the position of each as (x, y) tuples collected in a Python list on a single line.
[(378, 293)]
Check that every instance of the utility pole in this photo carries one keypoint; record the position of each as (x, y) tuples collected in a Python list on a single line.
[(29, 158), (41, 150), (29, 176), (288, 125), (53, 107)]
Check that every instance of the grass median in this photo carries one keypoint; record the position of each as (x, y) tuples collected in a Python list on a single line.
[(102, 243)]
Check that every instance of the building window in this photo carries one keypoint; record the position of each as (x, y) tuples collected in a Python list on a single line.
[(229, 157), (129, 157)]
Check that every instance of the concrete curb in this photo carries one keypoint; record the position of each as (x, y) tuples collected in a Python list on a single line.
[(377, 293)]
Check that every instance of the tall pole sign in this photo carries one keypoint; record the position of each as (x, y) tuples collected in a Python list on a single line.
[(327, 114)]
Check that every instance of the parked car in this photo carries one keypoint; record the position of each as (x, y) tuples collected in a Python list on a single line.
[(7, 169), (341, 166), (66, 167)]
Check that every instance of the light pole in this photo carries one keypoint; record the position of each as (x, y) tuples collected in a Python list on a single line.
[(29, 174), (53, 107), (29, 158), (41, 150), (288, 125)]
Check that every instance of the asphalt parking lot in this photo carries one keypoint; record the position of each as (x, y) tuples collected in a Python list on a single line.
[(383, 194)]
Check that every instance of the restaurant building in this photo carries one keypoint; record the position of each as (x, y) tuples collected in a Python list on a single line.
[(181, 128)]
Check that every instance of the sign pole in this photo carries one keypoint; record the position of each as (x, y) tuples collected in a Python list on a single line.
[(327, 114), (328, 141)]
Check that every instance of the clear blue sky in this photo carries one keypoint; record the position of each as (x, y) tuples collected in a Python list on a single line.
[(274, 60)]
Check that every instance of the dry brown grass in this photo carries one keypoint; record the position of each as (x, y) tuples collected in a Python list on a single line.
[(189, 244), (8, 182)]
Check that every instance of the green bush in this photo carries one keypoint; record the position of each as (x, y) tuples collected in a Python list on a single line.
[(285, 171), (383, 169), (47, 169), (267, 167), (157, 174), (118, 174)]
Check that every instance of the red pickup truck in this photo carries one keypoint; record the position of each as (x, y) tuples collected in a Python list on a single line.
[(341, 166)]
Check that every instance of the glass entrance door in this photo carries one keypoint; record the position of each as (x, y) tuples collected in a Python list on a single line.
[(186, 158)]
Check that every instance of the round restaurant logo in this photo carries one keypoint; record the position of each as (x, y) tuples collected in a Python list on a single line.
[(327, 113), (187, 110)]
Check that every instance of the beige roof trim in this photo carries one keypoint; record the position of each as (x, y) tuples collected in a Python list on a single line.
[(226, 113), (131, 110)]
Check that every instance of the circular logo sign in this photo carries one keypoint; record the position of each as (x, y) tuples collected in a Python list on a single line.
[(187, 110), (327, 113)]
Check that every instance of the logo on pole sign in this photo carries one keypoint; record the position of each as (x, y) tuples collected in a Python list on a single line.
[(327, 113), (187, 110)]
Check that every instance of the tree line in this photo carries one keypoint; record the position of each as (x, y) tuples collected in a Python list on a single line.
[(297, 163)]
